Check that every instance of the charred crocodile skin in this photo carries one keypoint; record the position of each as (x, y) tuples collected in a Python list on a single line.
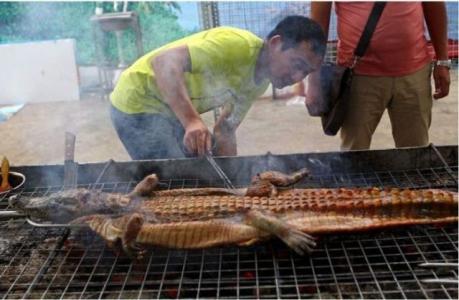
[(198, 218)]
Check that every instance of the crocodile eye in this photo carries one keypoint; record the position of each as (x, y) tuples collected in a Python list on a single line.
[(53, 206)]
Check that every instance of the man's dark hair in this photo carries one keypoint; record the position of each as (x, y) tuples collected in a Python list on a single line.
[(296, 29)]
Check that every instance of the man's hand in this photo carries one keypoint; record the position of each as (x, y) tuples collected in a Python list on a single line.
[(442, 81), (197, 138), (436, 21)]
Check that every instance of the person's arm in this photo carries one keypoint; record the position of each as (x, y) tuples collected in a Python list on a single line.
[(169, 67), (225, 133), (320, 12), (436, 21)]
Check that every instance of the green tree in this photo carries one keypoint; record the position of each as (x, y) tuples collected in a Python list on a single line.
[(32, 21)]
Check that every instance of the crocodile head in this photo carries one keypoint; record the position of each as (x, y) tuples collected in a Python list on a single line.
[(60, 206)]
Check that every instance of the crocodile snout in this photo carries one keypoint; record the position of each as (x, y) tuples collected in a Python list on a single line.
[(35, 207), (16, 202)]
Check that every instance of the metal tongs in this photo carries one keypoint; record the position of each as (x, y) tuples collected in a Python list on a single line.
[(445, 266), (228, 184)]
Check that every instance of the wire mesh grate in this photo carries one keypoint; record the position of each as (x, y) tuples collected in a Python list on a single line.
[(43, 263), (367, 266)]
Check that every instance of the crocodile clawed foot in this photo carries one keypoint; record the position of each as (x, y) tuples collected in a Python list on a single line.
[(146, 187), (300, 242), (134, 251), (131, 230)]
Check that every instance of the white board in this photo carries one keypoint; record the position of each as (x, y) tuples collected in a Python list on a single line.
[(44, 71)]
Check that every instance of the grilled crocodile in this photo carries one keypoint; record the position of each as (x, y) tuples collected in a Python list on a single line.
[(206, 217)]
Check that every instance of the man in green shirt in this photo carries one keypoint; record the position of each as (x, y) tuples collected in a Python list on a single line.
[(157, 102)]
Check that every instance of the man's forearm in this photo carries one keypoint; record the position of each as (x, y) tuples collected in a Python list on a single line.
[(320, 12), (169, 72), (437, 20)]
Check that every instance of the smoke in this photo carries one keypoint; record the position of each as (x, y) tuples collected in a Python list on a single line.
[(319, 166)]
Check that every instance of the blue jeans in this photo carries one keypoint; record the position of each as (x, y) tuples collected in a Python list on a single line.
[(149, 136)]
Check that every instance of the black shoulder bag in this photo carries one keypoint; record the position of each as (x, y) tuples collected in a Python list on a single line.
[(336, 81)]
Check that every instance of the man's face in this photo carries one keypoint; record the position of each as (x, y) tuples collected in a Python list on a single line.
[(291, 65)]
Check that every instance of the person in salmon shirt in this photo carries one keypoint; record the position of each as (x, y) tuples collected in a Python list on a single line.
[(395, 71)]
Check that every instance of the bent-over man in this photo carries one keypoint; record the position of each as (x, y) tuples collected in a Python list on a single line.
[(157, 102)]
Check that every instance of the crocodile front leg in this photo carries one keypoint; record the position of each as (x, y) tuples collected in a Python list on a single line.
[(145, 187), (265, 184)]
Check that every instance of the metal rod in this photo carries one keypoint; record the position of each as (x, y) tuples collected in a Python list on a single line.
[(439, 265), (104, 170), (45, 225), (441, 281), (10, 214), (70, 167)]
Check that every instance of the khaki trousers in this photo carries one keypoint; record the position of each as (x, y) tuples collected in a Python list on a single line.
[(408, 100)]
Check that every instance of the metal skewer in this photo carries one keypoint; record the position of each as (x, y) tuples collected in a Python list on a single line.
[(54, 225)]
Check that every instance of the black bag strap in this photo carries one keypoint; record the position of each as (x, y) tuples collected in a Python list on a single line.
[(370, 27)]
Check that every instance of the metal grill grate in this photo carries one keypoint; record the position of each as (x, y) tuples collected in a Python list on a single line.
[(38, 263)]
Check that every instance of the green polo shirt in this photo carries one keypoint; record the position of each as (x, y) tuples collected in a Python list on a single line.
[(222, 70)]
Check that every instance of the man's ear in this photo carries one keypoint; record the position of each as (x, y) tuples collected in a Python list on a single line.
[(275, 42)]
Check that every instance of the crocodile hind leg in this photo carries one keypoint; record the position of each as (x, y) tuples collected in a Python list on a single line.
[(266, 183), (299, 241)]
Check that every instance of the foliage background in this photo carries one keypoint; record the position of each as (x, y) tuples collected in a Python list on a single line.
[(37, 21)]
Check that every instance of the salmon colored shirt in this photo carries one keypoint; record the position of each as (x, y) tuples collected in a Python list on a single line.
[(398, 46)]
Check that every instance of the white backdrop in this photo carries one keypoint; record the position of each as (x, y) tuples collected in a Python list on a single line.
[(38, 72)]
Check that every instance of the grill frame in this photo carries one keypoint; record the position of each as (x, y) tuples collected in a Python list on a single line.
[(371, 265)]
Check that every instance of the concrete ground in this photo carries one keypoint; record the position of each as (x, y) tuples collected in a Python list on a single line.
[(35, 135)]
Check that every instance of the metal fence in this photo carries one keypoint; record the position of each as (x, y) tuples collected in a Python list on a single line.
[(261, 17)]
